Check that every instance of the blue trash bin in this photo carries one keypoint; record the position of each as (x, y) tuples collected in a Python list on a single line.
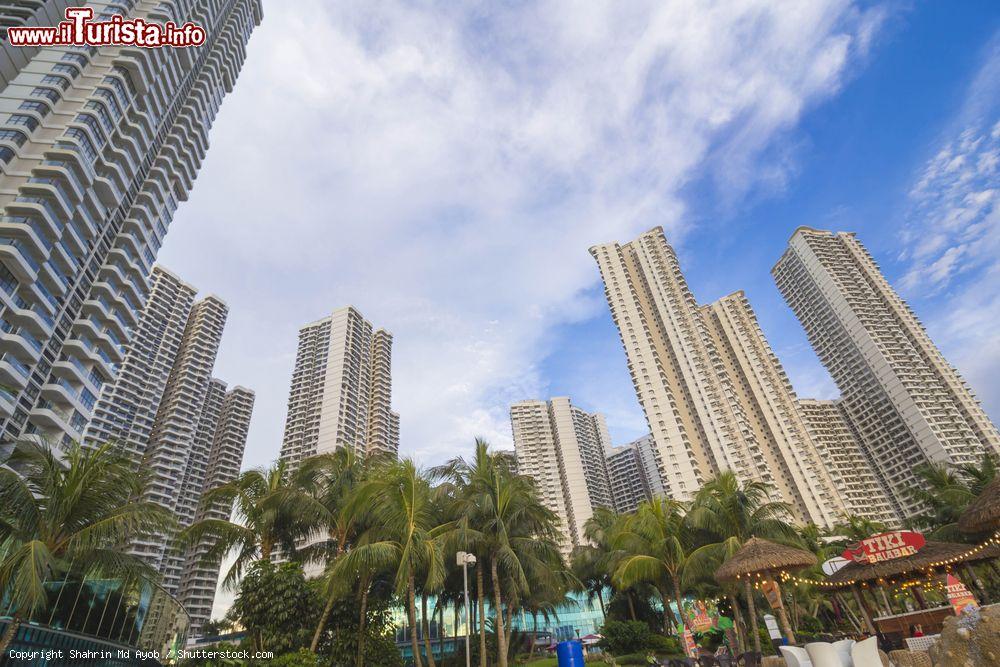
[(569, 654)]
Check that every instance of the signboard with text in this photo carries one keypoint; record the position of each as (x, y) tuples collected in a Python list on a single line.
[(885, 546), (960, 597)]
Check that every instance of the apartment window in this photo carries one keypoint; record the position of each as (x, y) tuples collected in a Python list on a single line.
[(77, 58), (56, 81), (16, 136), (47, 93), (85, 143), (72, 70), (6, 154), (39, 107), (29, 122)]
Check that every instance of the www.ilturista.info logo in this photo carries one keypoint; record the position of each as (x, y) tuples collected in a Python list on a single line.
[(80, 30)]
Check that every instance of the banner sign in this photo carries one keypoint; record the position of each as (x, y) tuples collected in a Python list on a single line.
[(960, 597), (700, 616), (689, 646), (772, 593), (885, 546)]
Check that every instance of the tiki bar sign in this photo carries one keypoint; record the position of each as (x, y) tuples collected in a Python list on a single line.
[(885, 546)]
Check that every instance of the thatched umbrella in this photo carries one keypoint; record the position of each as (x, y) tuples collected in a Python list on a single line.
[(760, 557), (983, 514), (936, 554)]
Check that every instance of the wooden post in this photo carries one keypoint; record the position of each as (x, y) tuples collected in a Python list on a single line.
[(977, 582), (863, 606), (918, 595), (786, 627), (885, 600)]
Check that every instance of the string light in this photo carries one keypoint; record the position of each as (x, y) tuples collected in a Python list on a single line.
[(928, 570)]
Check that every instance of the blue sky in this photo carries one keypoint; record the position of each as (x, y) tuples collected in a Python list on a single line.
[(445, 167)]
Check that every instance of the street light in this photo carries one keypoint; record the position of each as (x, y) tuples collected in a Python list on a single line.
[(465, 560)]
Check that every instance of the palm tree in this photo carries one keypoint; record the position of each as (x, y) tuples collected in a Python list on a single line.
[(512, 532), (731, 513), (944, 492), (467, 479), (321, 493), (265, 521), (70, 516), (592, 562), (652, 542), (403, 535)]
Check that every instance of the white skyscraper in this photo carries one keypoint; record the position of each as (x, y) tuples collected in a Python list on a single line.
[(715, 396), (864, 495), (341, 392), (907, 403), (166, 409), (222, 436), (633, 474), (97, 147), (562, 448)]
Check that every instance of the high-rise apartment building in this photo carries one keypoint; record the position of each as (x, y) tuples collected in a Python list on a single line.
[(908, 404), (222, 431), (633, 474), (177, 421), (562, 448), (341, 392), (853, 474), (97, 147), (715, 396)]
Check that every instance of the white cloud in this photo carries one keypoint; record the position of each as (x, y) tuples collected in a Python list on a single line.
[(445, 166), (952, 241)]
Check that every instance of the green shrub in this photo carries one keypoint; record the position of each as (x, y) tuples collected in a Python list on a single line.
[(301, 658)]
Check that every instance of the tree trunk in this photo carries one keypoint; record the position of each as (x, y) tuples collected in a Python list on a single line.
[(863, 608), (631, 605), (739, 623), (669, 624), (600, 601), (534, 634), (440, 615), (8, 636), (427, 631), (498, 612), (454, 634), (983, 596), (266, 547), (752, 610), (414, 640), (481, 619), (363, 622), (677, 599), (783, 623), (327, 609)]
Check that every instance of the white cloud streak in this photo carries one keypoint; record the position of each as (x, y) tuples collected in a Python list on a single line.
[(445, 166), (952, 240)]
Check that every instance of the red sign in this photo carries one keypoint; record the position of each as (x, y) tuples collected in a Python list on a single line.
[(886, 546), (959, 596)]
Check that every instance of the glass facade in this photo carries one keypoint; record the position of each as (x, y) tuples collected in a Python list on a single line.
[(103, 615)]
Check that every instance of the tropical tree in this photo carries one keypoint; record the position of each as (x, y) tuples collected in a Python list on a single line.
[(944, 492), (403, 536), (511, 531), (264, 520), (321, 493), (592, 562), (654, 550), (729, 514), (70, 515), (465, 481)]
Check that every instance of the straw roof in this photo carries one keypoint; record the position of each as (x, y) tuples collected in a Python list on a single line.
[(983, 513), (932, 552), (759, 555)]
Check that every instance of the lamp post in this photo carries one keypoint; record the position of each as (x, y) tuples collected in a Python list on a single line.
[(465, 560)]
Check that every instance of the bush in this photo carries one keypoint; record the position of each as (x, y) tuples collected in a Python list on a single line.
[(301, 658), (624, 637)]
